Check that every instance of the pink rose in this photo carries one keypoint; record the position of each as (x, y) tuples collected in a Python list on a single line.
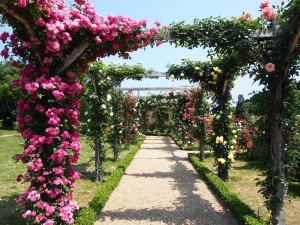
[(157, 23), (264, 4), (58, 170), (22, 3), (53, 45), (54, 121), (49, 222), (47, 60), (4, 36), (191, 109), (58, 95), (25, 43), (40, 22), (34, 196), (246, 15), (81, 2), (39, 108), (268, 13), (26, 214), (205, 120), (5, 53), (270, 67)]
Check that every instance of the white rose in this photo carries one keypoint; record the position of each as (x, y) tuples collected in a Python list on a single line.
[(103, 106), (93, 96)]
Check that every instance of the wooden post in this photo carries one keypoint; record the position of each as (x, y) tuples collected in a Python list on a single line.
[(277, 145)]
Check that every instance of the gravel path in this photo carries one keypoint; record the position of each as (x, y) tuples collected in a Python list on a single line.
[(161, 187)]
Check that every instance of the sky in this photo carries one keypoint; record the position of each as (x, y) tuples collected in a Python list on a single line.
[(167, 12)]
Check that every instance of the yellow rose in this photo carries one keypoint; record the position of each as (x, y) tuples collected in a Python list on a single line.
[(215, 57), (231, 156), (221, 160), (217, 69)]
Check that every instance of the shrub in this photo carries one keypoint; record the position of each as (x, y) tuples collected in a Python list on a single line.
[(241, 210)]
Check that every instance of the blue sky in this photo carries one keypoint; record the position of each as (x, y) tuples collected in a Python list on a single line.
[(168, 11)]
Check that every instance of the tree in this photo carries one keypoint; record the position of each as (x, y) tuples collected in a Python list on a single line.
[(240, 110), (8, 95)]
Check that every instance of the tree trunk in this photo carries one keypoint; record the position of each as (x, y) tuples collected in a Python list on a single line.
[(99, 162), (201, 150), (223, 129), (116, 148), (223, 174), (277, 144)]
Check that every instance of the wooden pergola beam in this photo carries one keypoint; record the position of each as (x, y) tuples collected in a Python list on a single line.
[(265, 34), (188, 88), (154, 74)]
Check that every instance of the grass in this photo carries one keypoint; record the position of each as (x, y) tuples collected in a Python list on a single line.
[(86, 186), (8, 132), (242, 180), (10, 189)]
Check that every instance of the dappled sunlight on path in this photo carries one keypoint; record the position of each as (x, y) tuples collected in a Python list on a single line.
[(161, 187)]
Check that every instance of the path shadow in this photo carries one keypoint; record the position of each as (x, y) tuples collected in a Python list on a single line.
[(294, 189), (188, 209), (83, 169), (249, 166), (9, 213)]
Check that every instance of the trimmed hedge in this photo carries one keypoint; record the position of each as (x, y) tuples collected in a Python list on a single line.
[(241, 210), (181, 145), (177, 141), (88, 216)]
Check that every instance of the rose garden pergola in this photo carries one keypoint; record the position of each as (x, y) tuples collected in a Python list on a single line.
[(54, 43)]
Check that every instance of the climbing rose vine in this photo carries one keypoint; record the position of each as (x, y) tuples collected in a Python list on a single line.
[(53, 44)]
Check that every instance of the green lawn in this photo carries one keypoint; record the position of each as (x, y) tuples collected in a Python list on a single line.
[(9, 170), (9, 187), (8, 132), (242, 180)]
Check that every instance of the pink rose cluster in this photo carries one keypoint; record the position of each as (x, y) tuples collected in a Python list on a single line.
[(246, 15), (129, 113), (52, 145), (267, 12), (205, 120), (48, 110), (60, 23)]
